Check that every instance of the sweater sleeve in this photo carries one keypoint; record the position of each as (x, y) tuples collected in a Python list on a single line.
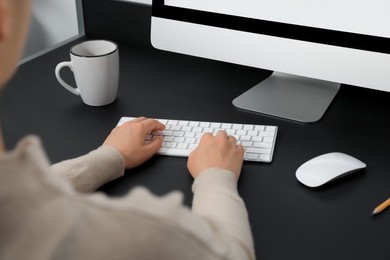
[(216, 199), (90, 171), (139, 225)]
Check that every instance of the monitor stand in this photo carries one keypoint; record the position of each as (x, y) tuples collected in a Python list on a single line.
[(287, 96)]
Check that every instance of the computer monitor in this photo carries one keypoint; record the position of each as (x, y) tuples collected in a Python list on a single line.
[(311, 46)]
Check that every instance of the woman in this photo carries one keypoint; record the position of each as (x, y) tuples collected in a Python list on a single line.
[(50, 211)]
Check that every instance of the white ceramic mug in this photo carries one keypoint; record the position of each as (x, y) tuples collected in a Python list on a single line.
[(95, 66)]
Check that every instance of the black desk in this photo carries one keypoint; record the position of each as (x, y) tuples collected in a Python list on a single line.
[(289, 221)]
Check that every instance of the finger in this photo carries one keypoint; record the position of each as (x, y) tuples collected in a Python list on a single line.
[(240, 148), (154, 145), (151, 125), (221, 134), (138, 119), (205, 137), (232, 139)]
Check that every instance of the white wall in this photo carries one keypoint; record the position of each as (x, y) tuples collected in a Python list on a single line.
[(52, 23)]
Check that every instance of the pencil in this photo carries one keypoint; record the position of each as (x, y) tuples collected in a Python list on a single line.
[(381, 207)]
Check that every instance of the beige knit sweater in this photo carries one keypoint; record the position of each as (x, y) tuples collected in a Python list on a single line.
[(49, 212)]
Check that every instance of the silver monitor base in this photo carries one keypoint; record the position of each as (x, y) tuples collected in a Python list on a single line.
[(288, 96)]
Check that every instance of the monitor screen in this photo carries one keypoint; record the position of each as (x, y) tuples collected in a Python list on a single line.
[(346, 16), (307, 43)]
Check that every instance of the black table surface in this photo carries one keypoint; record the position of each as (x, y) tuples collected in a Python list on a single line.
[(289, 220)]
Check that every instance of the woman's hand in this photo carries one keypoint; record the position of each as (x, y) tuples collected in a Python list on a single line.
[(219, 151), (129, 138)]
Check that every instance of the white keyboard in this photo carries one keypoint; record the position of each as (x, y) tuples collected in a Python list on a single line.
[(180, 137)]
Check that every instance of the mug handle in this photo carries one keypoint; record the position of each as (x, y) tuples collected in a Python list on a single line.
[(61, 65)]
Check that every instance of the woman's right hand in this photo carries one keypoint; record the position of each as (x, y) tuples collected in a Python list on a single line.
[(219, 151)]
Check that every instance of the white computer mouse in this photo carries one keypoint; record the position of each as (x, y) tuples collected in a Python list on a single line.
[(327, 167)]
